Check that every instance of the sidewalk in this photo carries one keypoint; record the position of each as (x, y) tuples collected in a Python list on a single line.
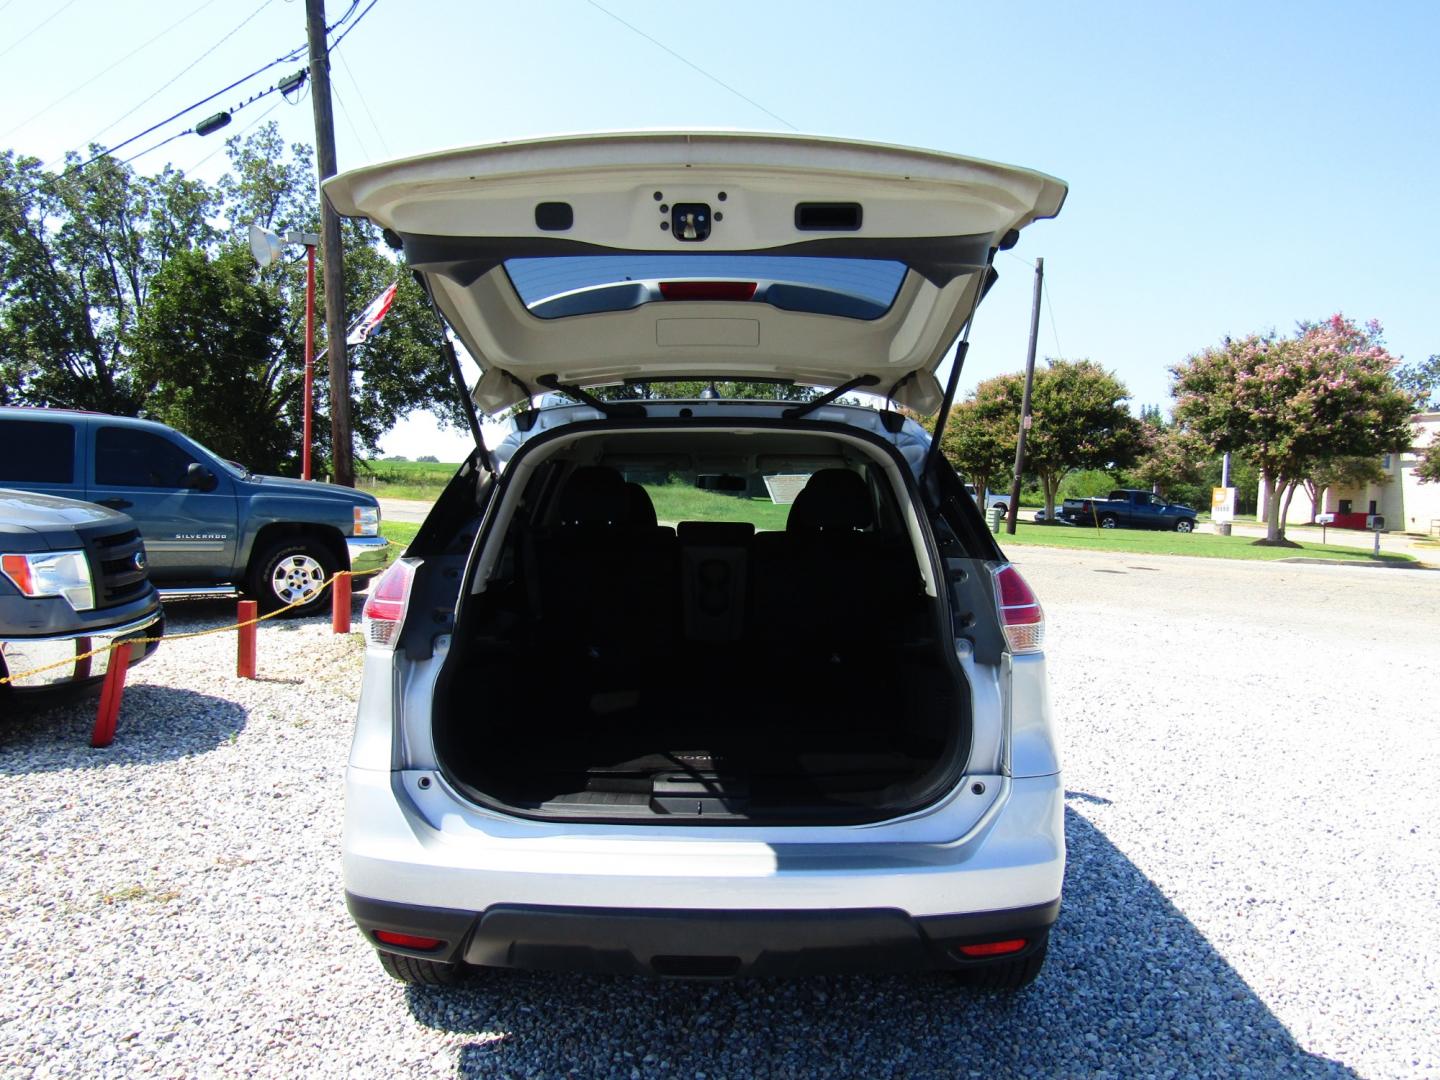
[(1393, 543)]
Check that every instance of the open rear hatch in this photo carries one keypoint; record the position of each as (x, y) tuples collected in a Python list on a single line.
[(597, 259)]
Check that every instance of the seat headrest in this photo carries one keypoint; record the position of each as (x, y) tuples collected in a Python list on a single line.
[(639, 510), (833, 500), (593, 495)]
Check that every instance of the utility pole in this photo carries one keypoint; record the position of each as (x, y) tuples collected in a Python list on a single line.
[(341, 451), (1014, 503)]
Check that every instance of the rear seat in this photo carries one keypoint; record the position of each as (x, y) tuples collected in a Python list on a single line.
[(825, 580), (607, 582)]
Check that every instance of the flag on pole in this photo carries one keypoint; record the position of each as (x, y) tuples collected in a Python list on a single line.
[(364, 326)]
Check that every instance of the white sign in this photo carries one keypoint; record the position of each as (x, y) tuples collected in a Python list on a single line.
[(1222, 505), (783, 487)]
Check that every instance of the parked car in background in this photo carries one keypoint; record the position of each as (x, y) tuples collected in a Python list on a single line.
[(997, 500), (72, 579), (210, 525), (1131, 509), (590, 741)]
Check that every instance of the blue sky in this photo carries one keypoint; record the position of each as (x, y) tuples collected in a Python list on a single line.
[(1232, 167)]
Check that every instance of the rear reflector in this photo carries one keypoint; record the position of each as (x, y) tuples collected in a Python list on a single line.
[(1021, 617), (384, 609), (992, 948), (708, 290), (407, 941)]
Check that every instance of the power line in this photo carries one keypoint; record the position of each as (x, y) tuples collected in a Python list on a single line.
[(238, 134), (364, 104), (1059, 352), (688, 63), (336, 43), (183, 71), (335, 88), (35, 30), (101, 74)]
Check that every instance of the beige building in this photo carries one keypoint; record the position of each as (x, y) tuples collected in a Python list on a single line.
[(1406, 504)]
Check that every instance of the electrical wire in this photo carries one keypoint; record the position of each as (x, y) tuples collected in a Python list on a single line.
[(187, 68), (238, 134), (101, 74), (688, 63), (1045, 290), (335, 89), (336, 43), (364, 104), (35, 30)]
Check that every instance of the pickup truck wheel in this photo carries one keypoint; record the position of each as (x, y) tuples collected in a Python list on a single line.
[(1184, 525), (1109, 521), (420, 972), (292, 570)]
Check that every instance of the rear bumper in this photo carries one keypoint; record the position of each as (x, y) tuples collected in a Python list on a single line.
[(702, 944), (25, 654), (368, 554)]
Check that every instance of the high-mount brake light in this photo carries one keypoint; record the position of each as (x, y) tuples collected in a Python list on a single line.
[(384, 609), (708, 290), (1021, 617)]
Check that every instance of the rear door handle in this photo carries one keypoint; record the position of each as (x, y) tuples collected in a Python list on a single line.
[(116, 504)]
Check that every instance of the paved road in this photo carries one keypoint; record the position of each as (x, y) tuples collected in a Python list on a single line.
[(404, 510)]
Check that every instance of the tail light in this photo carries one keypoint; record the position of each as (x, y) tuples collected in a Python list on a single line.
[(1021, 617), (992, 948), (407, 941), (384, 609)]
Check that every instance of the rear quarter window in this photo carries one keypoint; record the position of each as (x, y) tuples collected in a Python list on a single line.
[(37, 452)]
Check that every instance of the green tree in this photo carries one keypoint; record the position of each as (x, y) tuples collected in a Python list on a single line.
[(1080, 421), (1290, 404), (1422, 379), (1170, 456), (205, 348), (77, 253)]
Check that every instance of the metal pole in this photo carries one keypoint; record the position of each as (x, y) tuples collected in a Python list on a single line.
[(1225, 470), (1014, 504), (309, 356), (341, 452)]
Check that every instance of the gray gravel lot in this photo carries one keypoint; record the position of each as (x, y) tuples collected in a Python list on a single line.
[(1252, 886)]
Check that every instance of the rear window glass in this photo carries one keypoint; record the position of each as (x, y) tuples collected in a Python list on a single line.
[(36, 452), (556, 287)]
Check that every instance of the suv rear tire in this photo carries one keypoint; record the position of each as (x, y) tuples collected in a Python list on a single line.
[(1005, 975), (279, 574), (419, 972)]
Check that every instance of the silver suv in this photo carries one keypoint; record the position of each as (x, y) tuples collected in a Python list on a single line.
[(702, 686)]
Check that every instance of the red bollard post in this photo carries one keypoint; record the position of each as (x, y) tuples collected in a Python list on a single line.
[(245, 661), (110, 693), (340, 599)]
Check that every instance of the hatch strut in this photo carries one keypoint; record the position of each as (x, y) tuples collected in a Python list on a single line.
[(613, 410), (987, 279), (797, 411), (458, 377)]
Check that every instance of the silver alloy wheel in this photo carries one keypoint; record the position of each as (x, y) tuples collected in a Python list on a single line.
[(1184, 525), (297, 578), (1108, 523)]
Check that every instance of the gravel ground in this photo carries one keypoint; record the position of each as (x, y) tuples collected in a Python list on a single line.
[(1252, 884)]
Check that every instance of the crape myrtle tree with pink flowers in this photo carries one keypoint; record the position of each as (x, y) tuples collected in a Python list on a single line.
[(1295, 404)]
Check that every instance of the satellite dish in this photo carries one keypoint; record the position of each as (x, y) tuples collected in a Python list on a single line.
[(265, 246)]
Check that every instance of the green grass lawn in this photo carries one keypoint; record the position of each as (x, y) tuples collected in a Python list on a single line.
[(419, 480), (1144, 542), (399, 532), (681, 502)]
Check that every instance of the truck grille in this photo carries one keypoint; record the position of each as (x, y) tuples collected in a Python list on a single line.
[(112, 567)]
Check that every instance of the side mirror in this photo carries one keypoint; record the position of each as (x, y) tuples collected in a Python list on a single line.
[(199, 478)]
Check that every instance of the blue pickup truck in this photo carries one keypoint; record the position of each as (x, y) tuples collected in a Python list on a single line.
[(210, 525), (1131, 509)]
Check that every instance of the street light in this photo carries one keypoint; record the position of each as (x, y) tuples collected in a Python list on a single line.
[(267, 247)]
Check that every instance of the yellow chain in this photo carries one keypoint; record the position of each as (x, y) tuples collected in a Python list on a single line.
[(172, 637)]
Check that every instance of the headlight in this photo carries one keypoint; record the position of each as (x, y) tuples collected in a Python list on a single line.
[(54, 573), (367, 521)]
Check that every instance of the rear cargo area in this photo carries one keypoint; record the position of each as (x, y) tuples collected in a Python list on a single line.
[(618, 667)]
